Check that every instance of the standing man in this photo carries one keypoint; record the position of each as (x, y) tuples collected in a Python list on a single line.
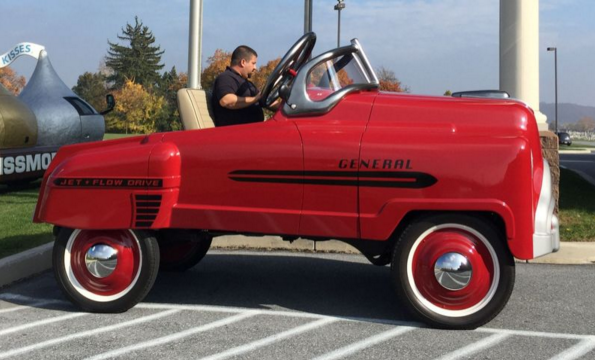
[(235, 99)]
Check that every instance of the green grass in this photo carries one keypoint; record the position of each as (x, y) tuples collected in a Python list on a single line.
[(17, 232), (17, 203), (117, 136), (576, 147), (577, 208)]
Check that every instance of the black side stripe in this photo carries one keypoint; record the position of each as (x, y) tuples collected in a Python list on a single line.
[(410, 180)]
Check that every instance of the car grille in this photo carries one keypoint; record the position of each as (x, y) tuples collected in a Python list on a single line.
[(146, 210)]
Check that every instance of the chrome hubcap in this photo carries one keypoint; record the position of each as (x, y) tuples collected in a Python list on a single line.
[(453, 271), (101, 260)]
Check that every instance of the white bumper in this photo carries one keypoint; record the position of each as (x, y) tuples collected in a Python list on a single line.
[(546, 238)]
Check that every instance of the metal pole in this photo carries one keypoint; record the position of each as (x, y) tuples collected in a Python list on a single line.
[(307, 16), (555, 50), (340, 6), (195, 44), (339, 29), (556, 84)]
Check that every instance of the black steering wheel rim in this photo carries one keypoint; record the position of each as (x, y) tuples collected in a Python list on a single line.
[(287, 68)]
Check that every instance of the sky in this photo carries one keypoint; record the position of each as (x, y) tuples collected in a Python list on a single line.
[(431, 45)]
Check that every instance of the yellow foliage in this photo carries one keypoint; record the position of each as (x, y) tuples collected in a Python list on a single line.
[(136, 109), (222, 59), (217, 64), (261, 76)]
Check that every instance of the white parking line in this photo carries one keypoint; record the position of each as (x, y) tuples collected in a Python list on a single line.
[(538, 334), (40, 323), (86, 333), (475, 347), (269, 340), (586, 341), (366, 343), (210, 308), (225, 309), (577, 350), (174, 337)]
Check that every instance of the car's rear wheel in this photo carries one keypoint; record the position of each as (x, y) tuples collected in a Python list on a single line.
[(181, 249), (453, 270), (105, 270)]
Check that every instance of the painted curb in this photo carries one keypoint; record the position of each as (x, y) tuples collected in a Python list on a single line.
[(28, 263), (272, 243), (575, 151)]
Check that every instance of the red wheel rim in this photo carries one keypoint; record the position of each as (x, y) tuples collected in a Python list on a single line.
[(125, 273), (453, 239)]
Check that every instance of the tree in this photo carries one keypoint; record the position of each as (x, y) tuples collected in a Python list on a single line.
[(11, 81), (260, 77), (139, 60), (92, 88), (388, 81), (136, 110), (448, 93), (169, 84), (585, 124), (216, 65)]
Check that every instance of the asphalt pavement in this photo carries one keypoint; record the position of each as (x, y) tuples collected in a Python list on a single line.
[(280, 305), (583, 164)]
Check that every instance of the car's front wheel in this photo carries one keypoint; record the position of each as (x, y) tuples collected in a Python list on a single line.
[(105, 270), (453, 270)]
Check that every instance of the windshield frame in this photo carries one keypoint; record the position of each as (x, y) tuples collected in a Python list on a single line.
[(298, 103)]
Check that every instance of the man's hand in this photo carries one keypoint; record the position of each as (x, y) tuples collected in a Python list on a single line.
[(275, 105)]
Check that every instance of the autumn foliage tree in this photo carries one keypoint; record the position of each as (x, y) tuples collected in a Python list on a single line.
[(388, 81), (216, 65), (11, 81), (136, 110), (584, 124), (220, 60), (260, 77)]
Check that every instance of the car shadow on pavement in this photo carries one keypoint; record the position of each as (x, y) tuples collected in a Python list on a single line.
[(309, 284), (344, 286)]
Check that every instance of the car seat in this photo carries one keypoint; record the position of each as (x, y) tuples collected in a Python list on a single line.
[(195, 109)]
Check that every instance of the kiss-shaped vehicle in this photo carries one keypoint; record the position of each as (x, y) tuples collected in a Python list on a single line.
[(446, 190), (45, 116)]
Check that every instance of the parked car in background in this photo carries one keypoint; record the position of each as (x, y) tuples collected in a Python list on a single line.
[(564, 138)]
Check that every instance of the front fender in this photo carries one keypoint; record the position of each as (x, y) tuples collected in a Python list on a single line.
[(131, 184)]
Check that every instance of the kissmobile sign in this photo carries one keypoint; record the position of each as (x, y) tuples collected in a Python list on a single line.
[(25, 48)]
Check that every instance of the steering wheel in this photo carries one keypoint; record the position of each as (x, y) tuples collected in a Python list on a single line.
[(287, 68)]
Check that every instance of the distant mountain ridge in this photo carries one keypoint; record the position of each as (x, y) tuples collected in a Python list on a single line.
[(567, 113)]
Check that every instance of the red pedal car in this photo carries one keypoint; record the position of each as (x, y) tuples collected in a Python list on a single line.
[(445, 190)]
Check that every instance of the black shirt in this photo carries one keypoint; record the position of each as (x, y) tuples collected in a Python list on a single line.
[(230, 82)]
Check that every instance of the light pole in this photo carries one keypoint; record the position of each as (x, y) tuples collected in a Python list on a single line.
[(195, 44), (307, 16), (555, 50), (340, 6)]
